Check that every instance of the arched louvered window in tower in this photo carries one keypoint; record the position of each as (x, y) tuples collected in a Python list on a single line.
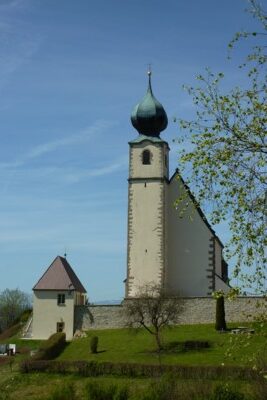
[(146, 157)]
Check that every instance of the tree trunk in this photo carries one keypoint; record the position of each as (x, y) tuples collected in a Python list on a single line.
[(158, 340)]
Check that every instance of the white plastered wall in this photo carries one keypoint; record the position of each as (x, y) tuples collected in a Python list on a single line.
[(46, 313), (189, 247), (157, 168), (146, 212), (146, 250)]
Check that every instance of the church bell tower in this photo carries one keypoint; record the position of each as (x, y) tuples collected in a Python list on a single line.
[(148, 180)]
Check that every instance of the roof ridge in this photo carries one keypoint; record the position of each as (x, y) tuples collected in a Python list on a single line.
[(60, 277), (69, 269), (196, 204), (45, 272)]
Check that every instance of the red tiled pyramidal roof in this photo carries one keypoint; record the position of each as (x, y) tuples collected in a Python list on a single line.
[(59, 276)]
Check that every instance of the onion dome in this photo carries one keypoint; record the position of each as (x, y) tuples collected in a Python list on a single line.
[(149, 117)]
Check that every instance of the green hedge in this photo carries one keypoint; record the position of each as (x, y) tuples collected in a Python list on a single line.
[(93, 369), (52, 347)]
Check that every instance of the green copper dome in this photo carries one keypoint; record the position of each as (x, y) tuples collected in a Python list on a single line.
[(149, 117)]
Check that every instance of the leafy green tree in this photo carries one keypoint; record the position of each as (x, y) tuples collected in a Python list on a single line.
[(12, 304), (224, 151)]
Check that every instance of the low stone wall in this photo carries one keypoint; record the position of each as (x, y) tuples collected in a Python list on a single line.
[(99, 317), (196, 310)]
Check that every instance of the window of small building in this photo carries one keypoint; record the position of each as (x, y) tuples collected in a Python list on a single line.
[(60, 299), (146, 157), (60, 326)]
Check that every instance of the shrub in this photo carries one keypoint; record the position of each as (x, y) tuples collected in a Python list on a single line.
[(179, 347), (25, 315), (220, 324), (4, 394), (98, 392), (52, 347), (225, 392), (93, 369), (64, 392), (23, 350), (169, 388), (260, 390), (4, 360), (94, 344), (122, 393), (164, 389), (59, 367), (196, 344)]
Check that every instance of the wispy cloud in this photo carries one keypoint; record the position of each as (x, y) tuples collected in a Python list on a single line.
[(78, 175), (90, 132), (54, 175), (86, 134)]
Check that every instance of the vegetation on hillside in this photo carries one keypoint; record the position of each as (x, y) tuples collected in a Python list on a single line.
[(13, 303)]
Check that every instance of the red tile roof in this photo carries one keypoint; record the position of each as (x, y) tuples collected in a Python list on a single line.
[(59, 276)]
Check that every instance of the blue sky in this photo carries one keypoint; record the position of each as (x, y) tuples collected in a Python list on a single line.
[(70, 73)]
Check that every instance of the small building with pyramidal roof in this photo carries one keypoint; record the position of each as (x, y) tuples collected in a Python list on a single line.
[(55, 296)]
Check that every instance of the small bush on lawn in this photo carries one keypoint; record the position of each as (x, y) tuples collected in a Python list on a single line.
[(64, 392), (94, 344), (52, 347)]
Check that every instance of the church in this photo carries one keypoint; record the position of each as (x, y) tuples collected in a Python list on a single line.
[(180, 253)]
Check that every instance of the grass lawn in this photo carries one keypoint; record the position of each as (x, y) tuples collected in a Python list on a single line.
[(122, 345)]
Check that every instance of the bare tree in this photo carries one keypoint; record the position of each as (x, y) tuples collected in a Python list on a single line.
[(152, 310), (12, 303)]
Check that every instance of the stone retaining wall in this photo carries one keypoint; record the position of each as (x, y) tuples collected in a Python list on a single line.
[(196, 310)]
